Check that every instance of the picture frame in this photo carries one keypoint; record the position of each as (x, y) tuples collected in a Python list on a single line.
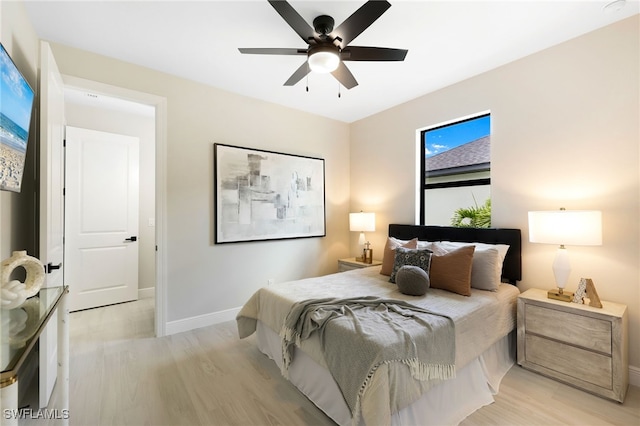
[(265, 195)]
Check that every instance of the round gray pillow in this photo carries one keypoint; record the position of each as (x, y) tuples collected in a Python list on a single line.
[(412, 280)]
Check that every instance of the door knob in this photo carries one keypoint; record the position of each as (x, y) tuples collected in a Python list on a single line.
[(134, 238), (51, 267)]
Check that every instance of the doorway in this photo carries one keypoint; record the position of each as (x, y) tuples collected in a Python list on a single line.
[(101, 107)]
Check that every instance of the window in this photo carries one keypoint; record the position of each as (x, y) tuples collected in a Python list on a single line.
[(456, 166)]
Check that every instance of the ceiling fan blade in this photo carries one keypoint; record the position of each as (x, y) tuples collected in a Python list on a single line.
[(272, 51), (358, 53), (293, 18), (360, 21), (344, 76), (298, 75)]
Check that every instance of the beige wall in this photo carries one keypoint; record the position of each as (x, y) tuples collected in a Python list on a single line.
[(565, 132), (204, 278)]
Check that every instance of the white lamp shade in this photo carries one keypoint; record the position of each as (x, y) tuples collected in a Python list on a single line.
[(362, 222), (324, 61), (566, 227)]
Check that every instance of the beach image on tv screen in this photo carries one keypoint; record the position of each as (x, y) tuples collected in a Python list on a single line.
[(16, 101)]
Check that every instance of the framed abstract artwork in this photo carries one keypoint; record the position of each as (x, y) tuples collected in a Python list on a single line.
[(264, 195)]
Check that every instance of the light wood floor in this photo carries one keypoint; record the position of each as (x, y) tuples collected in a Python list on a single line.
[(122, 375)]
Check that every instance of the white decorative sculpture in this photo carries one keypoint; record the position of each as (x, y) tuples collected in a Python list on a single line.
[(13, 293)]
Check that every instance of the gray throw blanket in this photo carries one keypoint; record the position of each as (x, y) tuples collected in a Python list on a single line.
[(359, 334)]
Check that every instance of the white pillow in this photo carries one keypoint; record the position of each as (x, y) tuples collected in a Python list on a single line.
[(487, 262), (421, 244), (502, 248), (424, 245)]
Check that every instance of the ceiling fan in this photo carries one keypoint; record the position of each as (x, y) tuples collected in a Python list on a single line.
[(328, 48)]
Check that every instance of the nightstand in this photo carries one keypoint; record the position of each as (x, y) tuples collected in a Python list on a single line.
[(576, 344), (351, 263)]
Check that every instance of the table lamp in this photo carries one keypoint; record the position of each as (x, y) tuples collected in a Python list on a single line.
[(363, 222), (565, 227)]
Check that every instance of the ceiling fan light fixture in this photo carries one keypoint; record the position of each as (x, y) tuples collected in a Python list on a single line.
[(323, 60)]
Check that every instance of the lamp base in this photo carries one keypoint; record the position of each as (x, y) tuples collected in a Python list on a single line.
[(558, 294), (367, 256)]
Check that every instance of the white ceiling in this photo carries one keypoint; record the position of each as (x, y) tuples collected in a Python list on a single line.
[(448, 41)]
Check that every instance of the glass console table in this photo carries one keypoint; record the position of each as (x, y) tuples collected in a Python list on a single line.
[(19, 331)]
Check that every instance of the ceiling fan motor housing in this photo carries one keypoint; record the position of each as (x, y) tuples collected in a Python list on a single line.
[(323, 25)]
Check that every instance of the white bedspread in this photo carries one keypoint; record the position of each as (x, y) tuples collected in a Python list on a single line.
[(480, 320)]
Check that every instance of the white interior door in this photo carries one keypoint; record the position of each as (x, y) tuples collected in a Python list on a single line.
[(51, 204), (101, 218)]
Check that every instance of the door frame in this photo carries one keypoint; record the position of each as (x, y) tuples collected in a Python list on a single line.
[(160, 104)]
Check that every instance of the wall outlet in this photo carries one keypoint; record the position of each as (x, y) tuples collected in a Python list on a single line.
[(269, 282)]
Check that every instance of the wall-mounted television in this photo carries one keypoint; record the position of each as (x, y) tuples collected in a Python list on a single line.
[(16, 107)]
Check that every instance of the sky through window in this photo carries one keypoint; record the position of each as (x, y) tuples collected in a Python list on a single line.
[(447, 137)]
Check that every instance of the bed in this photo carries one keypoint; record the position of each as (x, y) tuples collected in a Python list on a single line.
[(482, 330)]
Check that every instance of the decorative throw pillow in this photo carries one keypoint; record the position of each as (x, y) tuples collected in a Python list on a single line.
[(452, 271), (487, 262), (389, 254), (412, 280), (413, 257), (486, 269)]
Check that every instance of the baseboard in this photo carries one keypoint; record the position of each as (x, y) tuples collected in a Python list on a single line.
[(146, 293), (199, 321), (634, 376)]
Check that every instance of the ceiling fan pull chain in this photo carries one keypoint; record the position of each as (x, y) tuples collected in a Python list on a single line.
[(339, 87), (308, 76)]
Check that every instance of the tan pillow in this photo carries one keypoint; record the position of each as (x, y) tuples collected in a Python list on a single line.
[(389, 254), (487, 262), (452, 271)]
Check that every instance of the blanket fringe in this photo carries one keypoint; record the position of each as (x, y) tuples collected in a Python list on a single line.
[(419, 371), (422, 371), (287, 335)]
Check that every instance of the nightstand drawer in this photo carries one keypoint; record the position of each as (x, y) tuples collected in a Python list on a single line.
[(588, 366), (589, 333)]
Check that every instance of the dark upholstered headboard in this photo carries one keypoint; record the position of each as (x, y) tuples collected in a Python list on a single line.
[(512, 266)]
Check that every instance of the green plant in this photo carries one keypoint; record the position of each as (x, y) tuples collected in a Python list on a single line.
[(473, 217)]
